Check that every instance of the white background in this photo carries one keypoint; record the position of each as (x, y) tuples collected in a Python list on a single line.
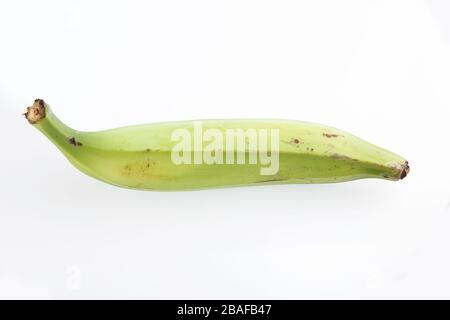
[(379, 69)]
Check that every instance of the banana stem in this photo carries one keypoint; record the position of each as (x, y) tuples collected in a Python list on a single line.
[(41, 116)]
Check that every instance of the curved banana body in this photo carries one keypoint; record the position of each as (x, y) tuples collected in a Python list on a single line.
[(218, 153)]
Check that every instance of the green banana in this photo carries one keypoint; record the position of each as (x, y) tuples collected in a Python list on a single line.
[(222, 153)]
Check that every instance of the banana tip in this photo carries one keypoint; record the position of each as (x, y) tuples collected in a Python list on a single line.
[(405, 170), (35, 112)]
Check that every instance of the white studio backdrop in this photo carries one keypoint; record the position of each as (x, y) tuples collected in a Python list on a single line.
[(379, 69)]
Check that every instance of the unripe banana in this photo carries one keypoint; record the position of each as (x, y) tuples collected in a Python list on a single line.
[(218, 153)]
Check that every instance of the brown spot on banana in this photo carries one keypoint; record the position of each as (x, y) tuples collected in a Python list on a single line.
[(331, 135), (74, 142)]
